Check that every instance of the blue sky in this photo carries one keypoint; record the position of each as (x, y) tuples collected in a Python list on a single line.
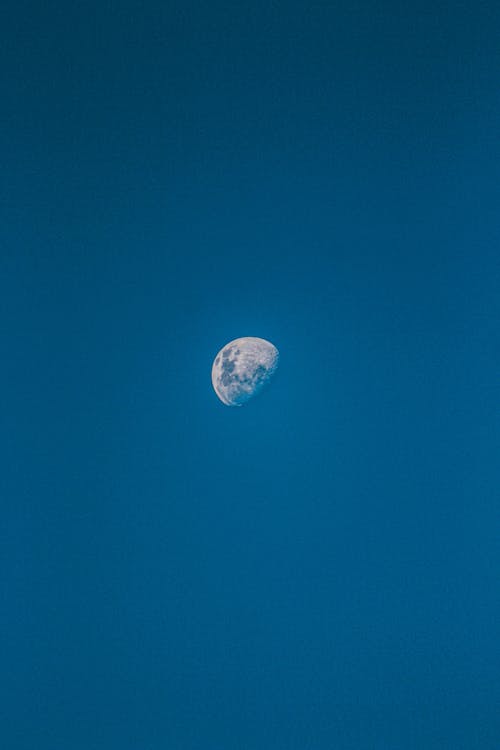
[(317, 569)]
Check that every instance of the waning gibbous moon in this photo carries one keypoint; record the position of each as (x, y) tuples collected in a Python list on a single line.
[(242, 368)]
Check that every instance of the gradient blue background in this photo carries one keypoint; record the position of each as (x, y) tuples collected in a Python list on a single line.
[(316, 570)]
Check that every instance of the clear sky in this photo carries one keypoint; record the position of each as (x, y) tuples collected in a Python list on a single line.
[(316, 570)]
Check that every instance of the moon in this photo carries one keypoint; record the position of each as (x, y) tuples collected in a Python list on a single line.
[(242, 368)]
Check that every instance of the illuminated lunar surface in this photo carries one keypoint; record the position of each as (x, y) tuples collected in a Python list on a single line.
[(242, 368)]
